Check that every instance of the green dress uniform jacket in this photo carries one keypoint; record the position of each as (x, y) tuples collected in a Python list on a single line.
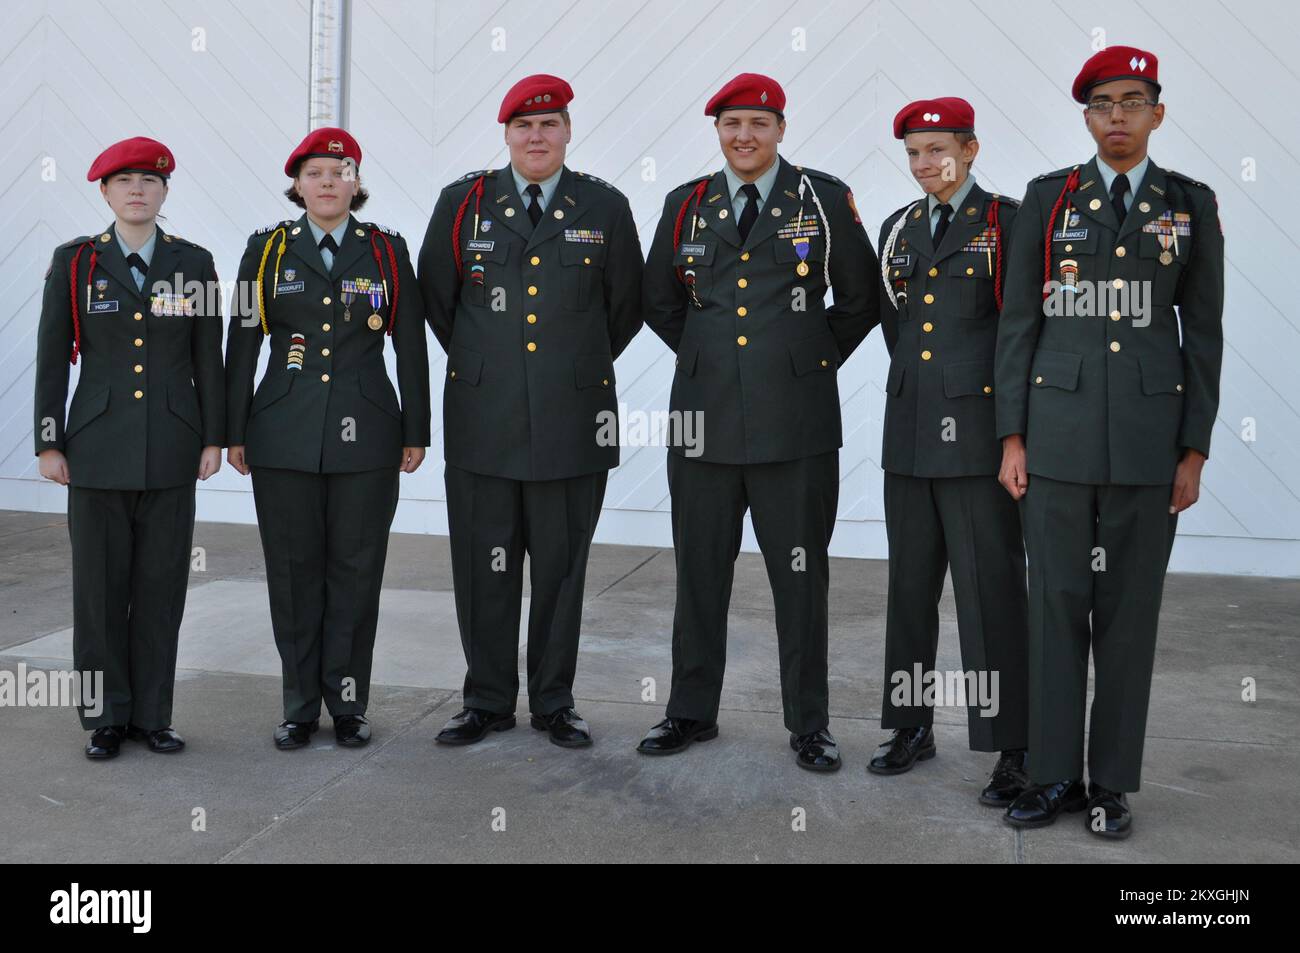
[(1114, 399), (150, 395), (939, 408), (325, 403), (759, 355), (532, 324)]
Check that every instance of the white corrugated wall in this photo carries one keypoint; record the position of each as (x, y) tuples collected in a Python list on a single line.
[(225, 85)]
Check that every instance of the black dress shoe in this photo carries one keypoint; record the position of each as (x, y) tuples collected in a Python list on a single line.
[(816, 751), (473, 724), (676, 734), (161, 740), (295, 734), (105, 742), (352, 731), (1039, 805), (1118, 821), (899, 753), (1008, 780), (566, 726)]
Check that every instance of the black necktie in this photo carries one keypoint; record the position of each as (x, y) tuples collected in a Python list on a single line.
[(534, 203), (748, 215), (1118, 188), (138, 263), (329, 244), (945, 213)]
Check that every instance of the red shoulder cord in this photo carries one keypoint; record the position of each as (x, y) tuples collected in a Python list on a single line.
[(475, 190), (1071, 183), (695, 196), (75, 288), (997, 241), (375, 238)]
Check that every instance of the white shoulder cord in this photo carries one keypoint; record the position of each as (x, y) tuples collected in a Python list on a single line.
[(888, 252), (826, 225)]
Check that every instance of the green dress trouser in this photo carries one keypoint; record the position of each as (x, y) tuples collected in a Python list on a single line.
[(325, 539), (792, 504), (493, 521), (130, 569), (971, 526), (1097, 559)]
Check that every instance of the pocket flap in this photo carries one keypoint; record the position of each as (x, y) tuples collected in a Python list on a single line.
[(273, 387), (485, 249), (593, 370), (378, 389), (1055, 369), (1161, 375), (894, 383), (184, 403), (902, 265), (463, 365), (85, 408), (968, 378), (787, 253), (963, 267), (814, 354), (586, 254)]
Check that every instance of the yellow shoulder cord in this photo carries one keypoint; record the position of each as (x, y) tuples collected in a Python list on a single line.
[(261, 273)]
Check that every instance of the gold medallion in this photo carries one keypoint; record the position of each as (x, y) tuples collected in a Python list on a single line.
[(801, 269), (1094, 204), (374, 322), (1166, 258)]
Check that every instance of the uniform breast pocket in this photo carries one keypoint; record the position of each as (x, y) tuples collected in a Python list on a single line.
[(1073, 251), (1163, 264), (898, 270), (583, 267), (811, 253), (972, 278), (694, 260), (484, 260)]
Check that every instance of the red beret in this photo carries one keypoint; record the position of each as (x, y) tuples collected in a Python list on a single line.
[(137, 154), (748, 91), (1115, 62), (946, 114), (328, 142), (540, 93)]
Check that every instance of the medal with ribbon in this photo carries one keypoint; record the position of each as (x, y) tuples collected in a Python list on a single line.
[(801, 249)]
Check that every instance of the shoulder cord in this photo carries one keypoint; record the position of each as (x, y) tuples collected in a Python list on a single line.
[(72, 275), (888, 252), (826, 225), (475, 190), (261, 276)]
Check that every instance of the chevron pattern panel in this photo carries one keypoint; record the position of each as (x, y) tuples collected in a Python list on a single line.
[(225, 86)]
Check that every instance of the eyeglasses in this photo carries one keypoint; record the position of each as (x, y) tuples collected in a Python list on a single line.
[(1104, 107)]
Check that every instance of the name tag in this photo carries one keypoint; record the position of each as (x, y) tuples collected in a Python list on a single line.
[(480, 245), (289, 287), (99, 307), (1070, 235), (899, 261), (690, 248)]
